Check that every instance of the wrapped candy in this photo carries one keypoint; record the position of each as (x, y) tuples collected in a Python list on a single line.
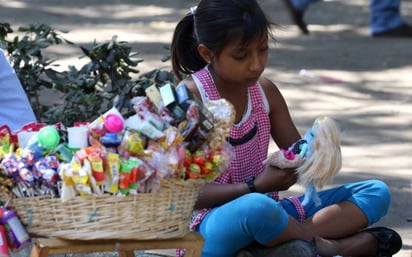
[(176, 137), (132, 144), (224, 115), (6, 183), (96, 163), (68, 190), (111, 182)]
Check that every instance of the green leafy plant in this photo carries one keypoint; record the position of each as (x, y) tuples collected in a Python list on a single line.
[(93, 87), (103, 82)]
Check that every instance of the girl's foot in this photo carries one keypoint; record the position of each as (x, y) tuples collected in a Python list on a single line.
[(377, 242), (388, 241)]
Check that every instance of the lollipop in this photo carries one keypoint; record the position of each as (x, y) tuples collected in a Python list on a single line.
[(48, 137), (113, 123)]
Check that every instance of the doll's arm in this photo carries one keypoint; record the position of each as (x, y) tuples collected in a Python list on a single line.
[(284, 159), (291, 158)]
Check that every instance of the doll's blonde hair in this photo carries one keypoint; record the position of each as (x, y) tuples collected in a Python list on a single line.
[(325, 160)]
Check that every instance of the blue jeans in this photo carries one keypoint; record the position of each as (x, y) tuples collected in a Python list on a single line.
[(385, 14), (256, 217)]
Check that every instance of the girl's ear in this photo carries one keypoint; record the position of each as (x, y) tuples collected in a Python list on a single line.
[(204, 52)]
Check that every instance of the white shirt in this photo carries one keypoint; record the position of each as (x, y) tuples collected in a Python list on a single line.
[(15, 108)]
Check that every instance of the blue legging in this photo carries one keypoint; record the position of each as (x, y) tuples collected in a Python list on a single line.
[(384, 14), (256, 217)]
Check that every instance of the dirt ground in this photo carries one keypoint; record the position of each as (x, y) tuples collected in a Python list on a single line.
[(372, 102)]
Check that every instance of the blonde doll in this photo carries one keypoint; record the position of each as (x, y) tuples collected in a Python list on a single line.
[(317, 157)]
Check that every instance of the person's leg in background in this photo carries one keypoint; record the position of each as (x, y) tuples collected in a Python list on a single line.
[(296, 9), (385, 17), (386, 20)]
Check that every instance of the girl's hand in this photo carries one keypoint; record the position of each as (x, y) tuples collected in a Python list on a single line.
[(275, 179)]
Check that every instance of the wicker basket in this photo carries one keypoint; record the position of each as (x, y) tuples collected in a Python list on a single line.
[(161, 215)]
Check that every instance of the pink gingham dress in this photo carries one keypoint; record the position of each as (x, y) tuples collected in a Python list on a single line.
[(249, 138)]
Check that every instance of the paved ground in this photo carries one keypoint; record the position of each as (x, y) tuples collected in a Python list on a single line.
[(372, 103)]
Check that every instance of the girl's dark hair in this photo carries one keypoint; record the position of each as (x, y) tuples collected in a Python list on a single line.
[(215, 23)]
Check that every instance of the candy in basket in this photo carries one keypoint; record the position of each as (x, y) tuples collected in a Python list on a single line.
[(168, 148)]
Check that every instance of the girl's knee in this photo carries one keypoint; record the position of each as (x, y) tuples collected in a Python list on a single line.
[(384, 195), (257, 207), (376, 198), (381, 190), (261, 217)]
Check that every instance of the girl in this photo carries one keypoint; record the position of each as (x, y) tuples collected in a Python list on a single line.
[(220, 50)]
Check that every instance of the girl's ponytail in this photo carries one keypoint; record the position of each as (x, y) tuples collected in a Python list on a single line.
[(184, 55)]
